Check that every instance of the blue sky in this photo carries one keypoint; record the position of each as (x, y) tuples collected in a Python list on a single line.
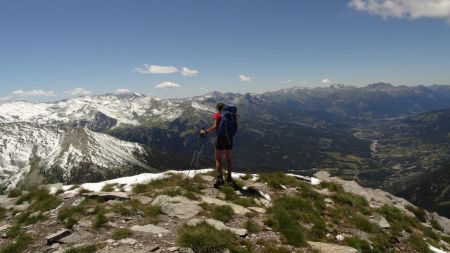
[(56, 49)]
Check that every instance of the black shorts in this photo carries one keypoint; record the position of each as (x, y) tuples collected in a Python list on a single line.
[(223, 142)]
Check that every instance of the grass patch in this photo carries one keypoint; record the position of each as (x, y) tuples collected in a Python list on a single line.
[(121, 233), (419, 244), (40, 199), (231, 196), (362, 223), (21, 241), (108, 188), (222, 213), (203, 238), (277, 180), (436, 225), (381, 243), (14, 193), (398, 220), (352, 200), (359, 244), (418, 212), (332, 186), (289, 227), (99, 221), (27, 218), (82, 249), (252, 227), (71, 215)]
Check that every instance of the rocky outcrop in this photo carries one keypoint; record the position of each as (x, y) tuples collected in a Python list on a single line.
[(218, 225)]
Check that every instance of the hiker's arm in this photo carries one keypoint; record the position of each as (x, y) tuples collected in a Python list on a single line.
[(214, 127)]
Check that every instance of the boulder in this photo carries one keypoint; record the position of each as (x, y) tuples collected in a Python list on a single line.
[(178, 206), (149, 229), (144, 200), (380, 220), (442, 221), (55, 237), (331, 248), (218, 225), (257, 209), (78, 237)]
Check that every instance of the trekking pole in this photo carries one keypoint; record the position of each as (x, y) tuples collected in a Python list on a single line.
[(197, 152)]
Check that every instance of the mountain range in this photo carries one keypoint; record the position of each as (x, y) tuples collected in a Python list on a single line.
[(92, 138)]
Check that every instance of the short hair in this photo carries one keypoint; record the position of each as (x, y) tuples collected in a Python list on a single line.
[(220, 106)]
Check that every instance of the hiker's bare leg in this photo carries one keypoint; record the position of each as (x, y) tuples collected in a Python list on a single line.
[(229, 161), (219, 154)]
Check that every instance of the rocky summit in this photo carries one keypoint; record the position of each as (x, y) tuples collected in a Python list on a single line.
[(182, 212)]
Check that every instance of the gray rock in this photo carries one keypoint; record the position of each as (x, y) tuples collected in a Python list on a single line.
[(258, 209), (149, 229), (381, 221), (129, 241), (4, 227), (331, 248), (442, 221), (55, 237), (218, 225), (144, 200), (77, 237), (105, 196), (236, 208), (178, 206)]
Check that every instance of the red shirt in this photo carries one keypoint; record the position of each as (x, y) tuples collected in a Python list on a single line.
[(217, 115)]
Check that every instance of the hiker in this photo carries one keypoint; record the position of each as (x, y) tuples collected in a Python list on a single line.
[(225, 124)]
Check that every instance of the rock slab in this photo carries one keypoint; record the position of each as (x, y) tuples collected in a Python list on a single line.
[(218, 225), (178, 206), (55, 237), (149, 229), (331, 248)]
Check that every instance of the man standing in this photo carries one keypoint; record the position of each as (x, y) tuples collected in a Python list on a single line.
[(225, 124)]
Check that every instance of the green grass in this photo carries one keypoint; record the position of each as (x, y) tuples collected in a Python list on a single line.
[(418, 212), (277, 180), (419, 244), (40, 199), (436, 225), (169, 185), (99, 221), (362, 223), (381, 243), (252, 227), (121, 233), (332, 186), (21, 241), (230, 195), (351, 200), (14, 193), (82, 249), (71, 215), (222, 213), (398, 220), (25, 218), (108, 188), (203, 238), (289, 227), (359, 244)]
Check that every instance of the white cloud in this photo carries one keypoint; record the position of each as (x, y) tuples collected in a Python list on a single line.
[(286, 81), (33, 93), (188, 72), (245, 78), (78, 92), (325, 81), (155, 69), (167, 85), (121, 91), (411, 9)]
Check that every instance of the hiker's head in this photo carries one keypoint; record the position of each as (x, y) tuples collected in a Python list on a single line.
[(219, 107)]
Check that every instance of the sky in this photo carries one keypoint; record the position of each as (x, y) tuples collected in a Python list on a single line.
[(52, 49)]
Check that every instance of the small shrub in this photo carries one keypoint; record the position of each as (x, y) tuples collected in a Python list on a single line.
[(359, 244), (419, 244), (14, 193), (222, 213), (18, 246), (203, 238), (418, 212), (352, 200), (252, 227), (151, 213), (362, 223), (436, 225), (121, 233), (108, 188), (99, 221), (82, 249)]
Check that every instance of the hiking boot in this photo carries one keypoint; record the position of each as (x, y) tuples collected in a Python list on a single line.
[(219, 182), (229, 179)]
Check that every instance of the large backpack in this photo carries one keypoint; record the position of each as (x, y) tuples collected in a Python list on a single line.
[(228, 121)]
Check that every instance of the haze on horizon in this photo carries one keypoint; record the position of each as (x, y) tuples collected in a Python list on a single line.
[(52, 50)]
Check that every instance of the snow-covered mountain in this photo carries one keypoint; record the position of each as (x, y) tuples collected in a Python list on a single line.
[(43, 153)]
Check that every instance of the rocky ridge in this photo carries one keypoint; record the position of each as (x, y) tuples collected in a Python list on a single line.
[(182, 212)]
